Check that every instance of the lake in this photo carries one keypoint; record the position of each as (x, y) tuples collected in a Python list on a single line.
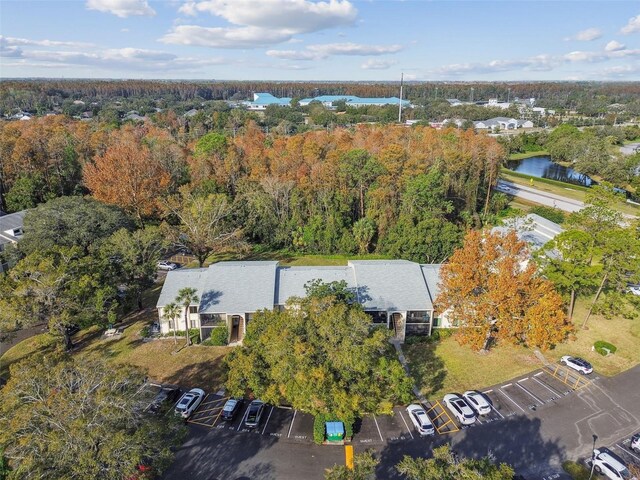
[(543, 167)]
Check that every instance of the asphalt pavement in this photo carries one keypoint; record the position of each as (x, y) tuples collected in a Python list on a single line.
[(539, 420), (539, 196)]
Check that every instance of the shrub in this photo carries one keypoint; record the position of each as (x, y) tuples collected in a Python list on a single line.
[(604, 348), (146, 331), (549, 213), (318, 428), (577, 471), (219, 337), (194, 335)]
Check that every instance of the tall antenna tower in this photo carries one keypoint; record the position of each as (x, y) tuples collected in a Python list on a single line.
[(400, 103)]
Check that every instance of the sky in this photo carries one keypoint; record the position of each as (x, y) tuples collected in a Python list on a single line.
[(321, 40)]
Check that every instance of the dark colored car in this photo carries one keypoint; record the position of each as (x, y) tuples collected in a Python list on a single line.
[(231, 408), (256, 408), (167, 395)]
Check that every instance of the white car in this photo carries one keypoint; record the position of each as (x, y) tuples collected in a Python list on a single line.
[(635, 443), (577, 364), (460, 409), (607, 463), (478, 402), (633, 289), (165, 265), (420, 419), (189, 402)]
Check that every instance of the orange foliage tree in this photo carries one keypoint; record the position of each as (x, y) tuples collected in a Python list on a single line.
[(491, 289), (127, 175)]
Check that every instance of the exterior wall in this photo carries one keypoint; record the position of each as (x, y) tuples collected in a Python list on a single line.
[(164, 324)]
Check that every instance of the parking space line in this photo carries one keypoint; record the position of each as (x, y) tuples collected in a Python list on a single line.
[(244, 417), (488, 391), (210, 410), (494, 409), (267, 422), (405, 424), (378, 427), (199, 423), (511, 399), (628, 451), (526, 390), (348, 456), (292, 420), (557, 394)]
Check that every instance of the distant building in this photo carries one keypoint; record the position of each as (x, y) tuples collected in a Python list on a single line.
[(133, 116), (494, 103), (454, 102), (262, 100), (190, 113), (502, 123), (11, 229), (353, 101), (532, 228)]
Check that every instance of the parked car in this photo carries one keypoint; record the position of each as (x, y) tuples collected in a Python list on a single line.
[(166, 265), (633, 289), (231, 408), (607, 463), (460, 409), (635, 443), (189, 402), (577, 364), (167, 395), (420, 419), (256, 408), (478, 402)]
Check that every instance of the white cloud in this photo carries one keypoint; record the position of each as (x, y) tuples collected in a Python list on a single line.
[(13, 41), (377, 64), (121, 8), (632, 26), (219, 37), (536, 63), (298, 16), (256, 24), (320, 51), (614, 46), (621, 71), (587, 35)]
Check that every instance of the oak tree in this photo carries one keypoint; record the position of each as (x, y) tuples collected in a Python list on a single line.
[(490, 288)]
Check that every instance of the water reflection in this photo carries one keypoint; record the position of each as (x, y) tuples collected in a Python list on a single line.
[(543, 167)]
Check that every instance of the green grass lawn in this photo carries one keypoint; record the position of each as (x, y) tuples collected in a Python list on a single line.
[(522, 156), (161, 360), (445, 366)]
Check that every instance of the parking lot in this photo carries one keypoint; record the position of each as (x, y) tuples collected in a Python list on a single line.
[(520, 396), (621, 448)]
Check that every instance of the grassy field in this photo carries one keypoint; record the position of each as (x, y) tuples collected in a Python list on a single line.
[(162, 360), (522, 156), (445, 366)]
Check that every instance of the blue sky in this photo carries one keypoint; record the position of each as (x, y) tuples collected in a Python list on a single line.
[(321, 40)]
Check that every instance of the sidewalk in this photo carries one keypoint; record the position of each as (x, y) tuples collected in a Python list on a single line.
[(416, 391)]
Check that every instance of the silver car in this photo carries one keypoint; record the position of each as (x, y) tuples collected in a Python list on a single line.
[(460, 409), (578, 364)]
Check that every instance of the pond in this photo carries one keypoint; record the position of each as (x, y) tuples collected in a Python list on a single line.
[(542, 167)]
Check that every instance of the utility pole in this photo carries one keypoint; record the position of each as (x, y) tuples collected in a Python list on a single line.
[(471, 94), (400, 103)]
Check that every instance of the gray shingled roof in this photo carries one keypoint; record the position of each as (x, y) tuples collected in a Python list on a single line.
[(244, 287), (178, 279), (239, 287), (291, 280), (8, 223), (391, 285)]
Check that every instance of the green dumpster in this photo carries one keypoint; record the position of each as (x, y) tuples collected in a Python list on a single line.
[(335, 431)]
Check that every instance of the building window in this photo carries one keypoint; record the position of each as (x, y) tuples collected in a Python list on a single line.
[(212, 320), (418, 317), (193, 309), (170, 324), (193, 324), (378, 317)]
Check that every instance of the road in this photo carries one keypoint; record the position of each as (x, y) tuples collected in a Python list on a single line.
[(20, 335), (535, 437), (539, 196)]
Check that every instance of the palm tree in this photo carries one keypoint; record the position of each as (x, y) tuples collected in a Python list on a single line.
[(171, 312), (187, 296)]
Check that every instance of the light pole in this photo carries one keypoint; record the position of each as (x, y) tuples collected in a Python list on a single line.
[(593, 456)]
